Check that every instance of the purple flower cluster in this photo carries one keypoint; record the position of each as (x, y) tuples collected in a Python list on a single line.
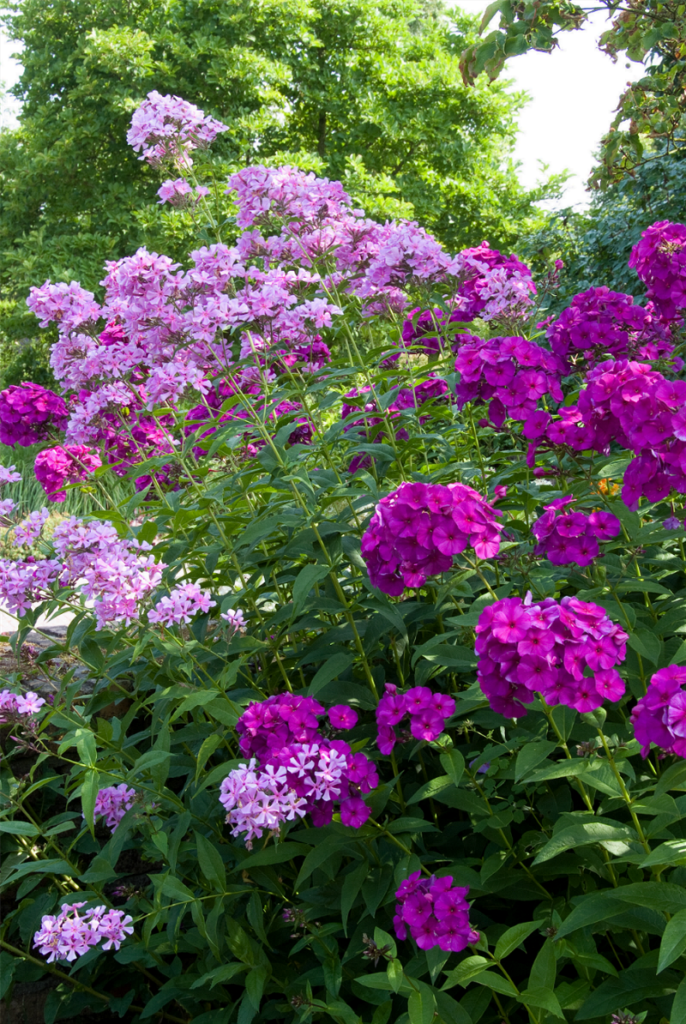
[(510, 373), (599, 323), (416, 530), (548, 648), (258, 802), (30, 413), (167, 128), (65, 464), (16, 707), (70, 934), (179, 193), (569, 537), (283, 733), (659, 259), (660, 716), (491, 285), (427, 713), (113, 802), (181, 605), (434, 912), (634, 405)]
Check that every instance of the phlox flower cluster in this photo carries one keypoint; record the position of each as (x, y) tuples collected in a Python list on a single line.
[(287, 193), (283, 732), (16, 707), (68, 305), (181, 605), (22, 583), (30, 413), (71, 933), (417, 529), (634, 405), (566, 651), (434, 912), (235, 620), (258, 802), (422, 714), (113, 802), (8, 475), (491, 285), (65, 464), (659, 259), (510, 373), (566, 536), (27, 532), (179, 193), (167, 128), (600, 323), (660, 716)]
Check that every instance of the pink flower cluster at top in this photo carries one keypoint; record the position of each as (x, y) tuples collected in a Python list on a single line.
[(181, 605), (167, 128), (568, 537), (283, 734), (417, 529), (659, 259), (15, 706), (512, 373), (30, 413), (70, 934), (113, 802), (634, 405), (66, 464), (434, 912), (427, 713), (660, 716), (599, 323), (548, 648)]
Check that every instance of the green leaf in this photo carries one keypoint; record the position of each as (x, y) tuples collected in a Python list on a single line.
[(89, 794), (175, 888), (331, 669), (662, 896), (8, 965), (211, 863), (394, 973), (678, 1014), (40, 867), (530, 755), (304, 582), (513, 938), (583, 835), (208, 747), (630, 987), (431, 788), (673, 941), (219, 975), (352, 883), (544, 968), (277, 854), (671, 852), (496, 982), (319, 855), (593, 908), (452, 763), (410, 825), (543, 998), (382, 938), (19, 828), (380, 982), (465, 971), (421, 1006)]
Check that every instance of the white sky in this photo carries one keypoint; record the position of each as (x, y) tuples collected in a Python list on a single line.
[(573, 91)]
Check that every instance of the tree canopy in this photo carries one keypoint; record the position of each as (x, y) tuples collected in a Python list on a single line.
[(367, 92)]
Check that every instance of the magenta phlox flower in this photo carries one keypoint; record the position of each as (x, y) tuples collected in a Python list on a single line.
[(566, 651), (601, 323), (416, 529), (426, 712), (30, 413), (567, 537), (660, 716), (342, 717), (65, 464), (659, 259), (278, 721), (71, 933), (434, 912), (511, 374)]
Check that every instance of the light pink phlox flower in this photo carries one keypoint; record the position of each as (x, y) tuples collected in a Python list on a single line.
[(181, 605)]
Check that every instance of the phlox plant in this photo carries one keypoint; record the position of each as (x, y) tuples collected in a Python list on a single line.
[(386, 710)]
